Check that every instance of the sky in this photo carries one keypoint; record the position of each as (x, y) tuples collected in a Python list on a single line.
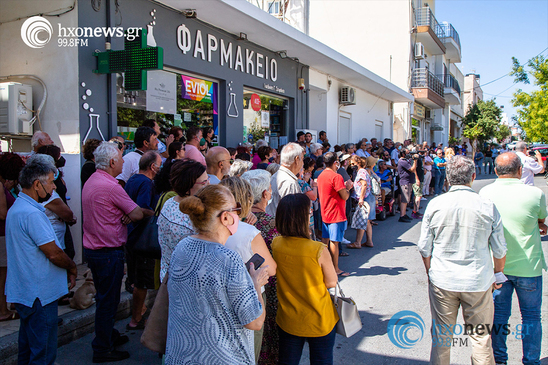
[(491, 33)]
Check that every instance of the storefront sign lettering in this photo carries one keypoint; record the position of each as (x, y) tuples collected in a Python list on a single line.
[(197, 89), (274, 88), (246, 60)]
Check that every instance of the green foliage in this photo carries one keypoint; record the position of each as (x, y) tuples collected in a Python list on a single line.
[(482, 122), (502, 133), (533, 107)]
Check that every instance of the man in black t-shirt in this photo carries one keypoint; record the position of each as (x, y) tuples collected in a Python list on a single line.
[(406, 173), (418, 185)]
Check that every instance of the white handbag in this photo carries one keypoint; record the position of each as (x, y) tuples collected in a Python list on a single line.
[(349, 317)]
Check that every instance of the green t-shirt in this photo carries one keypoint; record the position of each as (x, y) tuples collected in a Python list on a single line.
[(520, 206)]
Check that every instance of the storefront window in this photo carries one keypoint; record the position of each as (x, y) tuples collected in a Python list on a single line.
[(264, 118), (415, 130), (172, 99)]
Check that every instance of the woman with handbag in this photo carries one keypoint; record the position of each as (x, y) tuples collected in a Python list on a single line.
[(187, 178), (214, 303), (305, 273), (365, 211)]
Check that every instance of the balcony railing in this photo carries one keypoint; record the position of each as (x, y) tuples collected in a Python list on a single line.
[(450, 32), (450, 81), (425, 17), (422, 78)]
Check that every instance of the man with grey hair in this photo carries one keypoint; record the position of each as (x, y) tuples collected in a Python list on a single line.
[(523, 212), (37, 266), (140, 270), (316, 149), (106, 210), (284, 181), (39, 139), (531, 166), (350, 148), (461, 236)]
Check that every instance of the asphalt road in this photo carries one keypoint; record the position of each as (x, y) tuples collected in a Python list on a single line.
[(385, 280)]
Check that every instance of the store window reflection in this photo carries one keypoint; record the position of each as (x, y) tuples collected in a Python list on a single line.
[(264, 118)]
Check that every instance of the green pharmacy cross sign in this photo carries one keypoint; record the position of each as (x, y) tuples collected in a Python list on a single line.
[(134, 61)]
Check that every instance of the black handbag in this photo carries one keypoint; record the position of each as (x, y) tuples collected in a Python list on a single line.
[(143, 239)]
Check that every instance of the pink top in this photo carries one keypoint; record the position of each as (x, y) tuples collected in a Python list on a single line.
[(104, 202), (256, 160), (193, 153)]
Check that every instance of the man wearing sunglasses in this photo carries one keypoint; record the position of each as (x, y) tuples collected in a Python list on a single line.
[(218, 163)]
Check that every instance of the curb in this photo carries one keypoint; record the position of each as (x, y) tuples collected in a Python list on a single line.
[(76, 324)]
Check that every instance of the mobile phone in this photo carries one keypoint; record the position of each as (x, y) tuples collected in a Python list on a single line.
[(257, 261)]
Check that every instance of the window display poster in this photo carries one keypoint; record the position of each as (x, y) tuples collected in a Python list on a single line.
[(197, 89), (161, 94), (265, 119)]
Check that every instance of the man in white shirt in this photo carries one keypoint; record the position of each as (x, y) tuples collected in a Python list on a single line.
[(145, 140), (461, 236), (531, 166), (284, 181)]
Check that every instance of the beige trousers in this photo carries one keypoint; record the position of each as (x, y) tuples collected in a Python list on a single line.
[(477, 309)]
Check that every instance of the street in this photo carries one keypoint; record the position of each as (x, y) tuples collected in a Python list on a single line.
[(385, 280)]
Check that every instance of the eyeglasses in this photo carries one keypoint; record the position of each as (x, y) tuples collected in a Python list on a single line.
[(203, 182), (237, 209), (56, 175)]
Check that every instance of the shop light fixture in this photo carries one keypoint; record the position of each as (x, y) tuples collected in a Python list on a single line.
[(190, 13), (282, 54), (243, 37)]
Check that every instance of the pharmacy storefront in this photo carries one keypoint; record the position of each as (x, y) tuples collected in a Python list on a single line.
[(202, 76)]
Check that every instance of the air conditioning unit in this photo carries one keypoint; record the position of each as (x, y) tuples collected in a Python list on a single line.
[(419, 51), (15, 108), (348, 96)]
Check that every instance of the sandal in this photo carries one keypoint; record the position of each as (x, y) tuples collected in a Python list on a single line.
[(342, 253), (14, 315), (367, 245), (140, 326), (354, 246), (343, 274)]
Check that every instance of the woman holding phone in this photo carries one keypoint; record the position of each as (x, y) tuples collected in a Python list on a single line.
[(305, 273)]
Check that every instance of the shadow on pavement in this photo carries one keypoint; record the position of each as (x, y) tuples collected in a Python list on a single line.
[(378, 270)]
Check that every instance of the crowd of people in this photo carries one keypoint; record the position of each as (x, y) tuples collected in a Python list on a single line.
[(217, 210)]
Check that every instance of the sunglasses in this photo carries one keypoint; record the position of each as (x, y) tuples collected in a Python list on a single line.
[(237, 209)]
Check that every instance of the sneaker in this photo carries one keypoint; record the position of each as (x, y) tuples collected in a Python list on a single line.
[(416, 215), (423, 198), (345, 241), (404, 219)]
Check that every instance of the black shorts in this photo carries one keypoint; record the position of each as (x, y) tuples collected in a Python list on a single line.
[(140, 270)]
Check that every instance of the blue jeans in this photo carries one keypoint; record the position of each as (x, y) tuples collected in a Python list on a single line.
[(439, 180), (529, 292), (291, 348), (37, 333), (107, 267)]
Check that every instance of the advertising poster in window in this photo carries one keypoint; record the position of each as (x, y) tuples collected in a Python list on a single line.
[(202, 91)]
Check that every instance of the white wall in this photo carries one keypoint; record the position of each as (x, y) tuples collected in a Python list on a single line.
[(369, 111), (58, 68)]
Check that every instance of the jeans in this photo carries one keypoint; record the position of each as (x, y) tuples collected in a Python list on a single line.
[(488, 161), (321, 348), (529, 292), (107, 267), (439, 180), (37, 333)]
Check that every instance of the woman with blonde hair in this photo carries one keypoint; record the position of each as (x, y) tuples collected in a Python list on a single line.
[(213, 301), (248, 240), (365, 212)]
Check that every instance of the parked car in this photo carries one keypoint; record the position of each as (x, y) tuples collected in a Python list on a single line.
[(543, 152)]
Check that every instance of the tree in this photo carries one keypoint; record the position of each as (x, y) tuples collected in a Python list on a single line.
[(482, 123), (533, 107)]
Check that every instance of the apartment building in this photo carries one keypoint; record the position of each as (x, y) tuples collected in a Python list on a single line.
[(401, 41)]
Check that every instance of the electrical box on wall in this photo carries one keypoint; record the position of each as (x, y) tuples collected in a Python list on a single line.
[(15, 108)]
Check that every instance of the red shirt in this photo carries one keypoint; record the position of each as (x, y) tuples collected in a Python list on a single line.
[(333, 206), (104, 203)]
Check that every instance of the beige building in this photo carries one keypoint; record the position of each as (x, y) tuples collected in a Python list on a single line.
[(472, 91), (401, 41)]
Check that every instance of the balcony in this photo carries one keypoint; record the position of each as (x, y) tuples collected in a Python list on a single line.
[(451, 41), (429, 31), (451, 90), (427, 88)]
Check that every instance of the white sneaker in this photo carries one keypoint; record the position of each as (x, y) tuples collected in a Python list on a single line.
[(423, 198), (344, 240)]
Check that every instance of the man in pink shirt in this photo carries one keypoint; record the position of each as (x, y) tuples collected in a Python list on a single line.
[(106, 210), (192, 152)]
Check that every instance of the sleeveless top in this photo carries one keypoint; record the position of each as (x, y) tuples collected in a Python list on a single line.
[(305, 308)]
